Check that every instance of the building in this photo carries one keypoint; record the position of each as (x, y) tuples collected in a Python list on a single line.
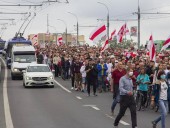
[(53, 37)]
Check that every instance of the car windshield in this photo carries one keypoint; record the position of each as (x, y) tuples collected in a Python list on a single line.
[(24, 58), (38, 69)]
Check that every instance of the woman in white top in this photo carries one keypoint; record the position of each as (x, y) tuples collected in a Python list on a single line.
[(163, 99), (83, 73)]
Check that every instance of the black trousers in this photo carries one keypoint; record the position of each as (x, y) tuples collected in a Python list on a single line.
[(56, 68), (91, 83), (72, 80), (144, 98), (127, 102)]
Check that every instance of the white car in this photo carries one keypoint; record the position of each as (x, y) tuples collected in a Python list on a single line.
[(38, 75)]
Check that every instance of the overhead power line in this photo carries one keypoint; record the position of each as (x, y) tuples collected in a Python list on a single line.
[(12, 13), (29, 5), (7, 19)]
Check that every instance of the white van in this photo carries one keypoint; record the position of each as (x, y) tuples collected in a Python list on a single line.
[(21, 57)]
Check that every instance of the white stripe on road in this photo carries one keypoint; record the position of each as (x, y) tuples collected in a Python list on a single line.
[(92, 106), (121, 121), (8, 119), (62, 87), (96, 108), (78, 97)]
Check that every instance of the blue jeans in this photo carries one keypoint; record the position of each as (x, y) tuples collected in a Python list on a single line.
[(164, 110), (101, 82), (115, 101)]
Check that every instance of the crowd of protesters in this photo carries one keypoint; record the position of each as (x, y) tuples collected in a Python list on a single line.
[(87, 67)]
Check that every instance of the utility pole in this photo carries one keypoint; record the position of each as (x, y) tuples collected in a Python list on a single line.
[(107, 18), (47, 24), (139, 19), (138, 25)]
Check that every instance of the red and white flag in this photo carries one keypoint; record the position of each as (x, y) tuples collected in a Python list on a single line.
[(112, 35), (121, 33), (152, 50), (35, 36), (105, 46), (60, 41), (166, 44), (35, 40), (98, 33)]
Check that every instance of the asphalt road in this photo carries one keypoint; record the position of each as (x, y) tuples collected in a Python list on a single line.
[(57, 108)]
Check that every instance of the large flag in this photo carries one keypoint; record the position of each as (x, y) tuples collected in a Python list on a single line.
[(60, 41), (105, 46), (112, 35), (152, 50), (106, 43), (166, 44), (98, 33), (121, 33), (35, 39)]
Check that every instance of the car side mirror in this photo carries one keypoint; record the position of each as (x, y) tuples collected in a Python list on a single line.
[(24, 71)]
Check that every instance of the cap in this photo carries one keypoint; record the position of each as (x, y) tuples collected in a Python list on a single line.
[(116, 61), (112, 56)]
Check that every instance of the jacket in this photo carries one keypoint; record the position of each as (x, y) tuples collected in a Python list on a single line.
[(102, 71)]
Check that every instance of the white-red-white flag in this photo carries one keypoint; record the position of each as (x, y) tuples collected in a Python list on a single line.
[(98, 33), (166, 44), (35, 36), (104, 46), (35, 40), (112, 35), (121, 33), (60, 41), (152, 50)]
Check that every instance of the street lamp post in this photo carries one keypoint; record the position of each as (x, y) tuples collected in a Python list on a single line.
[(66, 29), (77, 27), (107, 18)]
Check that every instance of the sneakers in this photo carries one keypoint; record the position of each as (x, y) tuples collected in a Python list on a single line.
[(153, 124), (94, 94), (72, 88)]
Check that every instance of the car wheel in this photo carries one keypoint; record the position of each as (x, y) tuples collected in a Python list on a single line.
[(12, 77), (23, 84), (51, 86)]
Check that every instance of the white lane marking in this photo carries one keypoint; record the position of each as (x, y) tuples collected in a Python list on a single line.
[(62, 87), (96, 108), (78, 97), (89, 105), (8, 119), (92, 106), (121, 121)]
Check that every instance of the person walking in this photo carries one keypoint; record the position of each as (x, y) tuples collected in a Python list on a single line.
[(163, 88), (127, 100), (91, 76), (40, 58), (116, 75), (56, 60), (102, 68), (143, 81)]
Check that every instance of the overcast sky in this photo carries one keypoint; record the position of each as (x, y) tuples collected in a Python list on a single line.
[(88, 11)]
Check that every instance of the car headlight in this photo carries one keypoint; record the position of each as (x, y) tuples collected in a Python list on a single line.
[(50, 78), (28, 78), (15, 70)]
